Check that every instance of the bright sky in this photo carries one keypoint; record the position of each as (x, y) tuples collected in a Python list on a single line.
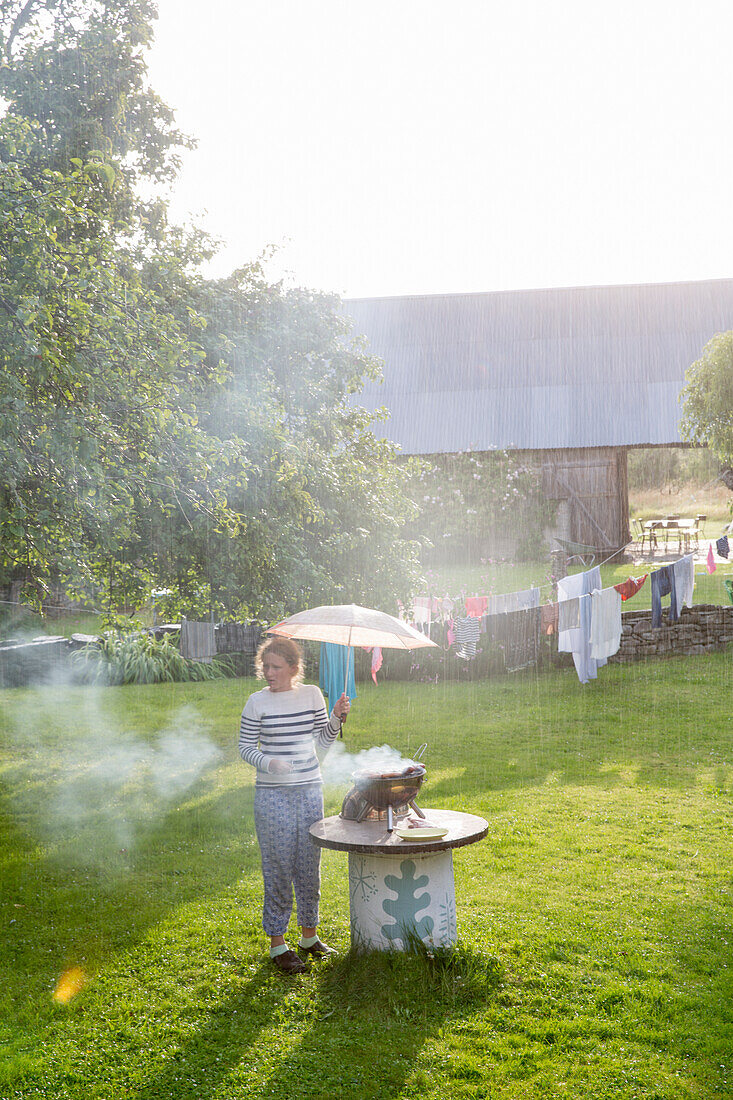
[(427, 146)]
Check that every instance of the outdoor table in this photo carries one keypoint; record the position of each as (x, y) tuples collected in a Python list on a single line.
[(400, 889), (683, 529)]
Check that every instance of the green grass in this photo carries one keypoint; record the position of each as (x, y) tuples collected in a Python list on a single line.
[(594, 920)]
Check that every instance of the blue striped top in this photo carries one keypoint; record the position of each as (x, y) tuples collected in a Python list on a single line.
[(290, 726)]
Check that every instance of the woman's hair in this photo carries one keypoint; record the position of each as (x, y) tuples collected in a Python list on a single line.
[(289, 650)]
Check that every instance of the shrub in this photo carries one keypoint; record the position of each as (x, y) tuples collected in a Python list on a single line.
[(139, 658)]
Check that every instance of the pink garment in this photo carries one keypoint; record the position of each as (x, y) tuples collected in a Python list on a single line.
[(450, 634), (476, 606), (711, 566), (376, 653)]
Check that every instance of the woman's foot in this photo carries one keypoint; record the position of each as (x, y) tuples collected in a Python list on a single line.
[(318, 950), (290, 963)]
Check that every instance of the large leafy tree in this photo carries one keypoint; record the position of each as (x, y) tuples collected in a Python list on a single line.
[(708, 398), (97, 382), (322, 501), (156, 428)]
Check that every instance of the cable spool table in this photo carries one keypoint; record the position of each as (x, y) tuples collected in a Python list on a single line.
[(400, 889)]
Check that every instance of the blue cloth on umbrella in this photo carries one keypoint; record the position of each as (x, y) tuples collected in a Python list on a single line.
[(332, 673)]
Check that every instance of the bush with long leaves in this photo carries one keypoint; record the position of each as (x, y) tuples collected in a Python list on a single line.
[(140, 658)]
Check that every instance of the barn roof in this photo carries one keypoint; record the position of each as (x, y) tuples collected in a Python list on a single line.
[(537, 369)]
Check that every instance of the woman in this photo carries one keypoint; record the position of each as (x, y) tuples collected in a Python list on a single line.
[(282, 727)]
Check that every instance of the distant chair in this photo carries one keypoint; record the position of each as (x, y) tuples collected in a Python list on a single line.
[(642, 533), (701, 523)]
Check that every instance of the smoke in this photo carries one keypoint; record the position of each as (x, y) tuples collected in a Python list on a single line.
[(90, 791), (339, 764)]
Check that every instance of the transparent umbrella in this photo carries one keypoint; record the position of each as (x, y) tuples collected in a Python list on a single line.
[(351, 625)]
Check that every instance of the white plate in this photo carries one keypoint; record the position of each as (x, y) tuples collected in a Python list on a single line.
[(431, 833)]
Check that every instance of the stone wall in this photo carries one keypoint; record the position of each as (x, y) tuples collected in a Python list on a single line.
[(703, 628)]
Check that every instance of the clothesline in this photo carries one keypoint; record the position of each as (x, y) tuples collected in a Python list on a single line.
[(461, 598), (53, 607)]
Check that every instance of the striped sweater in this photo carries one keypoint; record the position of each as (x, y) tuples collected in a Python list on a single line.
[(290, 726)]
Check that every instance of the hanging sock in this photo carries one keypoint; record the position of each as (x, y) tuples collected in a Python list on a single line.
[(711, 566), (723, 547)]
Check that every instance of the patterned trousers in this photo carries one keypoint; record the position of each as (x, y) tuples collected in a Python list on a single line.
[(290, 859)]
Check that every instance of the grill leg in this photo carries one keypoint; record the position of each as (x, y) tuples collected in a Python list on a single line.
[(416, 808), (390, 819)]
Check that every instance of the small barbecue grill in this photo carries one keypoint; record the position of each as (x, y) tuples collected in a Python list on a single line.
[(384, 796)]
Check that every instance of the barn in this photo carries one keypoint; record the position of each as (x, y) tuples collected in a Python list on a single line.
[(570, 377)]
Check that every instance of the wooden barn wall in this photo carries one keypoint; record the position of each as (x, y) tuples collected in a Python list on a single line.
[(594, 483)]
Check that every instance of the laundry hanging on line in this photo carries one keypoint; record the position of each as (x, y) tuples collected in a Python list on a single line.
[(577, 641), (466, 633), (630, 587), (606, 626)]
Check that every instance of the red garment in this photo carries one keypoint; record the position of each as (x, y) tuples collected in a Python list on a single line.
[(629, 588), (476, 606)]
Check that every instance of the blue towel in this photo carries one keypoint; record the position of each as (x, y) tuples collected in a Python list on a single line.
[(723, 547), (332, 673)]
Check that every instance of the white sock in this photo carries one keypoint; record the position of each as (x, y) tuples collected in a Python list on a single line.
[(303, 942), (279, 950)]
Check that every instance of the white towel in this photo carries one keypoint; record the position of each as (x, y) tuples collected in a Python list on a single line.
[(605, 627), (568, 614), (569, 588), (684, 579)]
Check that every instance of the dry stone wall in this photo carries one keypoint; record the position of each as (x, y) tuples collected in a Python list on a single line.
[(703, 628)]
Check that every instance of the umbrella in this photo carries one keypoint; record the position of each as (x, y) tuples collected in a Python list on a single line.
[(351, 625)]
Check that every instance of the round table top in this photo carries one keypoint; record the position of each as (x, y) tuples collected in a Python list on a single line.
[(372, 836)]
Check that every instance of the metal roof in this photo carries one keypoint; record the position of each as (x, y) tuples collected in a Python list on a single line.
[(537, 369)]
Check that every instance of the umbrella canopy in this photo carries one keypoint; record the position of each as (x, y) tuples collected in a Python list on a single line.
[(351, 625)]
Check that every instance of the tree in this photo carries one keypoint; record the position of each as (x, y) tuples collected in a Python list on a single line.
[(707, 398), (322, 500), (97, 382), (156, 428)]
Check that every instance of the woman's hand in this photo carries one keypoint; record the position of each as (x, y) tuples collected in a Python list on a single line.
[(343, 706), (279, 767)]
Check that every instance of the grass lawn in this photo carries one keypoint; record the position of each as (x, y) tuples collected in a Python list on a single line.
[(595, 920)]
